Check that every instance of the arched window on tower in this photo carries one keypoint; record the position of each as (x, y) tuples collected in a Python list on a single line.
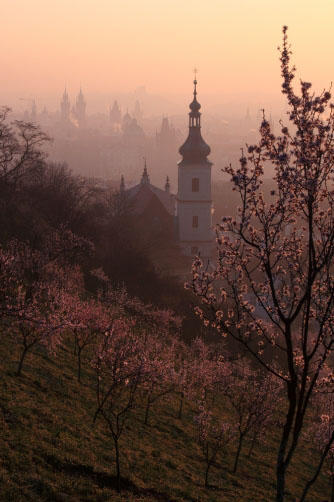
[(195, 221), (195, 184)]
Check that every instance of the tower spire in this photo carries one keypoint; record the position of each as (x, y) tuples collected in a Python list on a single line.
[(194, 149), (65, 107), (145, 177)]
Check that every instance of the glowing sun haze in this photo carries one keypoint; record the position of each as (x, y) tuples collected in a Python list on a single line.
[(117, 45)]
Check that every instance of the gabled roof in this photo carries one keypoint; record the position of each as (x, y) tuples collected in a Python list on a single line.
[(146, 189)]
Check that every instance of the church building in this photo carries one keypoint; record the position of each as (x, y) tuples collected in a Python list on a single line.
[(190, 209)]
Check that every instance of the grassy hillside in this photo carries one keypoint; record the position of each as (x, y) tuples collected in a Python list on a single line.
[(51, 451)]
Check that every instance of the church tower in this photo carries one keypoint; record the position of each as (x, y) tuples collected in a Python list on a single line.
[(115, 114), (194, 202), (65, 107), (80, 109)]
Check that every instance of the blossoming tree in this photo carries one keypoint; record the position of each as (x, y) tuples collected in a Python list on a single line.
[(160, 368), (129, 360), (255, 400), (320, 432), (275, 259), (35, 288), (213, 436), (88, 319), (121, 370)]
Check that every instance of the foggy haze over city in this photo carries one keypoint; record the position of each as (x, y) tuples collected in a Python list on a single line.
[(166, 251), (145, 52), (116, 46)]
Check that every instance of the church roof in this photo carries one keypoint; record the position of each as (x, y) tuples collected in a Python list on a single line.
[(166, 199)]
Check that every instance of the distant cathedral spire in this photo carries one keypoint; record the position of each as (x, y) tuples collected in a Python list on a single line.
[(145, 178), (137, 112), (115, 114), (80, 108), (65, 107)]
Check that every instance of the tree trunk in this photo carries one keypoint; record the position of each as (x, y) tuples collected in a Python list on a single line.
[(280, 484), (332, 488), (207, 475), (147, 412), (318, 470), (280, 471), (241, 438), (79, 364), (208, 465), (282, 464), (252, 446), (118, 469), (19, 369), (181, 407)]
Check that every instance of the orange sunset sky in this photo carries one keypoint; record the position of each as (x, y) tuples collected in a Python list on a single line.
[(112, 46)]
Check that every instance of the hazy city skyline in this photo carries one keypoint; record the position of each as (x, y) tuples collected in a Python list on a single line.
[(113, 47)]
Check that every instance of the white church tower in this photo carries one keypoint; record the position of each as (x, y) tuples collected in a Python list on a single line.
[(194, 204)]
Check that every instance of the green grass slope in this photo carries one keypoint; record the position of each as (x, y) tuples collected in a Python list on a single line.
[(51, 451)]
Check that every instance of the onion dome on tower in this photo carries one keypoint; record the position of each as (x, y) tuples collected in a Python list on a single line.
[(194, 150)]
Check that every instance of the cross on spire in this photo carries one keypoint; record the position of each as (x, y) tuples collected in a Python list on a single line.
[(195, 82)]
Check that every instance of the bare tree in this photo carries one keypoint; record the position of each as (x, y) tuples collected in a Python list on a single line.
[(21, 149)]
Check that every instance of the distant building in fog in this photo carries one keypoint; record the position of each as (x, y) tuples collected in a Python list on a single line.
[(79, 109), (132, 132), (166, 137), (137, 112), (189, 212), (115, 116), (155, 206), (65, 107)]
